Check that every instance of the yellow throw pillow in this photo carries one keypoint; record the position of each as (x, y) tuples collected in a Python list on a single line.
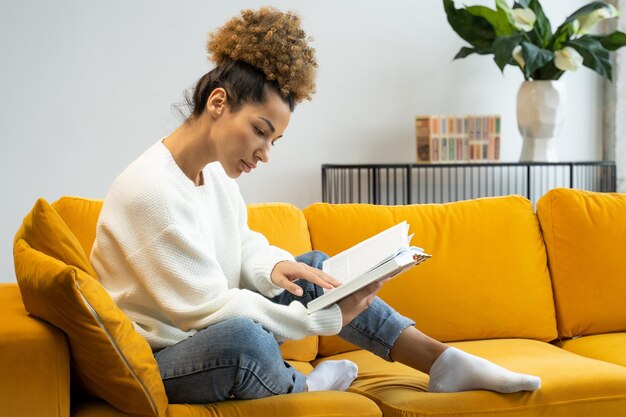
[(488, 277), (585, 235), (45, 232), (81, 217), (284, 226), (111, 360)]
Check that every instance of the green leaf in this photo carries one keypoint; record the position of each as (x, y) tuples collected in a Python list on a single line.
[(542, 26), (534, 58), (594, 55), (565, 31), (562, 34), (465, 51), (499, 21), (612, 41), (503, 49), (474, 29), (548, 72), (585, 10), (503, 8)]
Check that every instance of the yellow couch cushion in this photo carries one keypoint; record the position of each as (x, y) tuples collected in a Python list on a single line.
[(571, 385), (308, 404), (608, 347), (585, 235), (35, 351), (110, 359), (488, 276), (284, 226)]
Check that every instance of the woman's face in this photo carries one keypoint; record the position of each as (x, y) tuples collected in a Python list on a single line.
[(244, 138)]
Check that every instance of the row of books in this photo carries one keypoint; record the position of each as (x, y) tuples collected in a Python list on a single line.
[(449, 139)]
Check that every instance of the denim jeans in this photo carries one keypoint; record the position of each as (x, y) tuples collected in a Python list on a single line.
[(238, 358)]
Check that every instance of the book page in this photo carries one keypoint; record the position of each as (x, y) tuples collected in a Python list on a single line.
[(367, 254)]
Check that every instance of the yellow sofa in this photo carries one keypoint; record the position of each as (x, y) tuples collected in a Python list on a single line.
[(537, 292)]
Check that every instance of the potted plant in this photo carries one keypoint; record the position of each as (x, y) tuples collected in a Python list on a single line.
[(522, 36)]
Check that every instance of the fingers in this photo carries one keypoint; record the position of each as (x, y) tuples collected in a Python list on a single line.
[(358, 302), (291, 287), (285, 272), (371, 290), (319, 277), (300, 270)]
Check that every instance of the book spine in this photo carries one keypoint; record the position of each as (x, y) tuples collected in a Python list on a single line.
[(423, 139), (452, 139), (471, 138), (497, 139), (435, 145), (444, 138)]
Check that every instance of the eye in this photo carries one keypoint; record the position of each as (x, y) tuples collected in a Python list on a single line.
[(258, 131)]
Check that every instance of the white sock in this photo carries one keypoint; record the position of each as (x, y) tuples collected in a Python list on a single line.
[(332, 375), (456, 370)]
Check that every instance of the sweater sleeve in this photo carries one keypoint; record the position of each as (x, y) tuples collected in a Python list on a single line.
[(190, 291)]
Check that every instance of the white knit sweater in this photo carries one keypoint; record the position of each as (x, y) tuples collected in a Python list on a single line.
[(177, 257)]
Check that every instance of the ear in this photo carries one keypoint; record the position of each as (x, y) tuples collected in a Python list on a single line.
[(217, 101)]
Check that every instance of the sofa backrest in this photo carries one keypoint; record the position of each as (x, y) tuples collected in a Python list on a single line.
[(488, 277), (81, 217), (282, 224), (585, 235)]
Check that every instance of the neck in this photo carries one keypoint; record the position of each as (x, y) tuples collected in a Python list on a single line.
[(188, 146)]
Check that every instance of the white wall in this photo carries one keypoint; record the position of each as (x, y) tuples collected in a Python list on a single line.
[(86, 86)]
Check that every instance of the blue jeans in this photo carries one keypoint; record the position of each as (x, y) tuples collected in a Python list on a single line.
[(238, 358)]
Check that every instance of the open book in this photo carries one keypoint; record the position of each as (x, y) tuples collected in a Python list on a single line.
[(380, 257)]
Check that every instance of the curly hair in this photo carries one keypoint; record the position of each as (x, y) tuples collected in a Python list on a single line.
[(273, 42)]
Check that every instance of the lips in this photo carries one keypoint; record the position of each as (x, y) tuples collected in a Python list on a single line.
[(246, 167)]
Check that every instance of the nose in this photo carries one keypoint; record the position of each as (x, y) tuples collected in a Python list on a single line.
[(263, 154)]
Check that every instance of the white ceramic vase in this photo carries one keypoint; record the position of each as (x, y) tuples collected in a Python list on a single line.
[(541, 108)]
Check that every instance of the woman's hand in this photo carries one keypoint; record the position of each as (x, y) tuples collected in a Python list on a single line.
[(358, 302), (285, 272)]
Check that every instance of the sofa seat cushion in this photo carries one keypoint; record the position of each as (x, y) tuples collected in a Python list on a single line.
[(610, 347), (308, 404), (487, 279), (572, 385), (585, 235)]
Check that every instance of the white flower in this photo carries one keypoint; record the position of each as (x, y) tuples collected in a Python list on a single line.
[(518, 57), (524, 19), (588, 21), (567, 59)]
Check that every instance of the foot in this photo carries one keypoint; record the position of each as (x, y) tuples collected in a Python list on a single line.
[(455, 370), (332, 375)]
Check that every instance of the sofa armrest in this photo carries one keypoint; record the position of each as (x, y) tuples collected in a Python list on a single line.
[(34, 362)]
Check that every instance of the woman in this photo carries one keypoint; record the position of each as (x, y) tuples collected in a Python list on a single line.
[(212, 297)]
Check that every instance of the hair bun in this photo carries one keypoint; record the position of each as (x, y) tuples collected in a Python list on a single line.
[(273, 42)]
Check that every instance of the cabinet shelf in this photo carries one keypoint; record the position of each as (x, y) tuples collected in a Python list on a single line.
[(393, 184)]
